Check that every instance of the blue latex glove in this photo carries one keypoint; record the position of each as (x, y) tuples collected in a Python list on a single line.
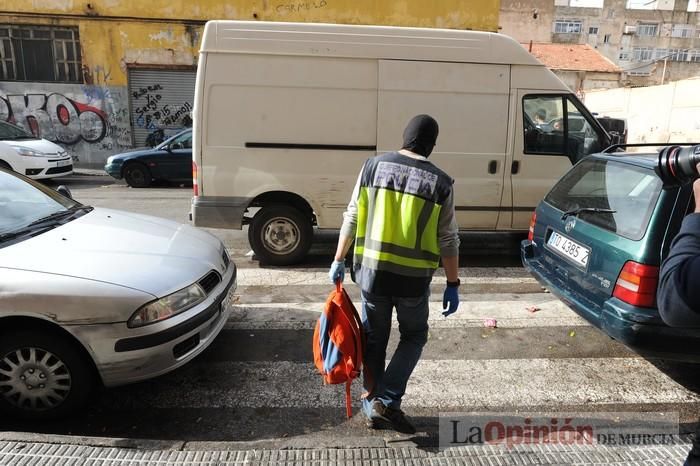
[(450, 300), (337, 271)]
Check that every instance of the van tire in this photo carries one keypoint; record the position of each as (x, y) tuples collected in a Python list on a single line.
[(280, 235), (48, 350), (137, 175)]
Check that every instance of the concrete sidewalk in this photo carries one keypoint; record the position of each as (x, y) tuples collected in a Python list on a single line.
[(89, 172), (21, 448)]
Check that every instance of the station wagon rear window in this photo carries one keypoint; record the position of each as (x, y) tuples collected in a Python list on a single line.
[(631, 191)]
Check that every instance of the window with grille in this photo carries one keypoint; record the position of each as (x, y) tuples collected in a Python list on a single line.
[(694, 56), (593, 30), (678, 54), (660, 54), (642, 53), (562, 26), (682, 30), (40, 53), (647, 29)]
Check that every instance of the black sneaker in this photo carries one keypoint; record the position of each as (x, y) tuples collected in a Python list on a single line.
[(384, 417)]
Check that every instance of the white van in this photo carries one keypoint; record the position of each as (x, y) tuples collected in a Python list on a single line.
[(286, 113)]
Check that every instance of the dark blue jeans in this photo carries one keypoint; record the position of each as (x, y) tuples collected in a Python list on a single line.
[(389, 384)]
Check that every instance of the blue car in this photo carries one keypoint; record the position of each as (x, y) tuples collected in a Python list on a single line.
[(597, 240), (169, 161)]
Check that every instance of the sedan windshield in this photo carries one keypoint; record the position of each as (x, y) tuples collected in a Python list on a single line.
[(9, 132), (26, 204)]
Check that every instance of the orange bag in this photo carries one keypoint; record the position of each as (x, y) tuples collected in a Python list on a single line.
[(339, 342)]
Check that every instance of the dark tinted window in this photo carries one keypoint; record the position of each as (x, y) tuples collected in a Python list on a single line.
[(629, 190), (9, 132), (39, 53)]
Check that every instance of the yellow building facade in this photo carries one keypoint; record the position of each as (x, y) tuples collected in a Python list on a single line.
[(98, 76)]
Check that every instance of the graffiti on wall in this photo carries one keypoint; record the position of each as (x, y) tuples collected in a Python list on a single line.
[(152, 115), (55, 117), (90, 122), (299, 7)]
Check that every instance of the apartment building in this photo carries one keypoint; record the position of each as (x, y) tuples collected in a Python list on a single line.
[(652, 42)]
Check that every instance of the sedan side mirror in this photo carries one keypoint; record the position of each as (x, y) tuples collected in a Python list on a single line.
[(64, 191)]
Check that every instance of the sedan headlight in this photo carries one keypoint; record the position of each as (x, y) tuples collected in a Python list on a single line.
[(167, 307), (28, 152)]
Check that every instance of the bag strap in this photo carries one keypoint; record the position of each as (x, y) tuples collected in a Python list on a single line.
[(348, 399)]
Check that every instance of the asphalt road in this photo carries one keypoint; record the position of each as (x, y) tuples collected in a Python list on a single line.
[(257, 381)]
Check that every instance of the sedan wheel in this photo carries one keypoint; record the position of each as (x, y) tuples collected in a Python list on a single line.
[(41, 375), (137, 175)]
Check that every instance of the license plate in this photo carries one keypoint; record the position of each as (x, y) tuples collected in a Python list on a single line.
[(569, 248), (63, 163)]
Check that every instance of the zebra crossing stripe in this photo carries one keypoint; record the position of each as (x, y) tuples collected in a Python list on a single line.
[(291, 277), (437, 384), (507, 313)]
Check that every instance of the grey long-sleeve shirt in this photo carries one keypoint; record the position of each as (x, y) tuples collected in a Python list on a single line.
[(448, 236)]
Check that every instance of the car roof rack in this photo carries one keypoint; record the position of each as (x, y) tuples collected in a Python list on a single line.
[(614, 147)]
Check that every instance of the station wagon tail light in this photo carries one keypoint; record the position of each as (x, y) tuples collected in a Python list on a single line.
[(195, 187), (531, 231), (637, 284)]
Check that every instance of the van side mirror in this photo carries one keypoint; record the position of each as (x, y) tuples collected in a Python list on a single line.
[(64, 191)]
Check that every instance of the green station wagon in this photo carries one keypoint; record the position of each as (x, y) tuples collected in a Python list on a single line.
[(597, 240)]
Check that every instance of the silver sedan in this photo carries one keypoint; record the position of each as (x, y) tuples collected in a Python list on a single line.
[(91, 296)]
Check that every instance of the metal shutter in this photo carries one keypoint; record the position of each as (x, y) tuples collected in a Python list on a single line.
[(159, 99)]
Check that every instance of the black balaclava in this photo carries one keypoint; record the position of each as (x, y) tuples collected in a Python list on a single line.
[(420, 135)]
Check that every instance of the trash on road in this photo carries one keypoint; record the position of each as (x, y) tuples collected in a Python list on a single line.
[(491, 323), (532, 309)]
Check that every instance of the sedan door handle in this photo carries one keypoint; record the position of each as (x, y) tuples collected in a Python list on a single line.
[(493, 166)]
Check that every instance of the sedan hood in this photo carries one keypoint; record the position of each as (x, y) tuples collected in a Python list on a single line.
[(141, 252), (135, 153)]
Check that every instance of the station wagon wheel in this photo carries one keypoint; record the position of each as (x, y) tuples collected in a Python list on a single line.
[(42, 375), (137, 175), (280, 235)]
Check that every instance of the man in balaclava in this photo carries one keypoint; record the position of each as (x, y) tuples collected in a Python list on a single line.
[(402, 219)]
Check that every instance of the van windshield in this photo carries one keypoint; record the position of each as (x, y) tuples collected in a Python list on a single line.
[(630, 191)]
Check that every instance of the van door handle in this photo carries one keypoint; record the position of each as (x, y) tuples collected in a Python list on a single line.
[(515, 167), (493, 166)]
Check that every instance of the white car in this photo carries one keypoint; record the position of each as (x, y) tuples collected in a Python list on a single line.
[(31, 156), (91, 296)]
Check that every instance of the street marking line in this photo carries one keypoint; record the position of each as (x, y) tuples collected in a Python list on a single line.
[(289, 277), (508, 314), (441, 384)]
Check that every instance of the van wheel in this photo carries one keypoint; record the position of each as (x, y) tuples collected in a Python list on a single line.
[(280, 235), (137, 175), (42, 375)]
